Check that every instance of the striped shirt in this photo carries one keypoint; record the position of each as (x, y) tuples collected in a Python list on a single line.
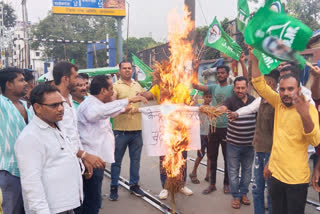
[(11, 124), (240, 131)]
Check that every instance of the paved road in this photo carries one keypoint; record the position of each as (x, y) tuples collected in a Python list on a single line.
[(216, 202)]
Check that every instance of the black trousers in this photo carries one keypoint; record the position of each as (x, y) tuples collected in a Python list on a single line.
[(219, 137), (287, 198)]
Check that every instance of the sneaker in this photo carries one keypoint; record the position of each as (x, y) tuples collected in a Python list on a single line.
[(113, 194), (185, 190), (163, 194), (135, 189)]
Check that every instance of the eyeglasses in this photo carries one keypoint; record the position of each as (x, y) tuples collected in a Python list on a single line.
[(53, 105)]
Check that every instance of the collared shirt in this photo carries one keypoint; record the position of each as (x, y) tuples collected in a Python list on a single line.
[(50, 172), (95, 129), (11, 124), (289, 156), (69, 125), (76, 103), (240, 131), (127, 121)]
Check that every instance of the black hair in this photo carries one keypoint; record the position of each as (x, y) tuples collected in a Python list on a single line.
[(38, 92), (62, 69), (207, 93), (124, 61), (293, 69), (241, 78), (8, 75), (84, 76), (274, 74), (287, 76), (225, 67), (291, 63), (99, 82), (28, 76)]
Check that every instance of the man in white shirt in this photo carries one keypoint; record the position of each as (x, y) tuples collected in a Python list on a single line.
[(96, 133), (50, 171), (65, 75)]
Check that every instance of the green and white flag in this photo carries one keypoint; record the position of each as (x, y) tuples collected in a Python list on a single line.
[(143, 73), (243, 15), (220, 40), (266, 63), (275, 5), (278, 35)]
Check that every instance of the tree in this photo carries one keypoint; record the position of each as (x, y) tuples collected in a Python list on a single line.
[(9, 17), (72, 28), (201, 33), (138, 44), (308, 11)]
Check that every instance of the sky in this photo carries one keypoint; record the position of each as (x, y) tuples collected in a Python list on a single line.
[(147, 17)]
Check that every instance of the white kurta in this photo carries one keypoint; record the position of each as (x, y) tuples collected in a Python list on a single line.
[(95, 128)]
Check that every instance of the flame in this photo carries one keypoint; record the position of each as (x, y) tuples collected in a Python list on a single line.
[(175, 87)]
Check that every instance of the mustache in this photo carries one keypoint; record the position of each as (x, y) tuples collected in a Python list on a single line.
[(285, 97)]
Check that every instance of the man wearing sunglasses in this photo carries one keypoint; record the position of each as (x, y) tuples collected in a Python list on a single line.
[(50, 171)]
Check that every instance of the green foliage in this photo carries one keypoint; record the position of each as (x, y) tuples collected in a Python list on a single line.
[(308, 11), (73, 27), (9, 17), (138, 44)]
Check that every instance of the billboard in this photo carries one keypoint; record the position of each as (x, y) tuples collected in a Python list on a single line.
[(90, 7)]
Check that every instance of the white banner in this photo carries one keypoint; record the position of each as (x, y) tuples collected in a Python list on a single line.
[(152, 120)]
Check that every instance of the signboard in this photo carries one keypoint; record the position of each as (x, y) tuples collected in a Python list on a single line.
[(90, 7)]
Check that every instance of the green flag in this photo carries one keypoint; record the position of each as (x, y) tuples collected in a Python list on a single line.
[(266, 63), (275, 5), (278, 35), (243, 15), (220, 40), (143, 73)]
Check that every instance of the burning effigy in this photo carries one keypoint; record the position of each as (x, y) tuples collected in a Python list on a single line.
[(173, 127)]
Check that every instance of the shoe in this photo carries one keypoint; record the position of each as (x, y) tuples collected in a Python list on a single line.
[(135, 189), (185, 190), (113, 194), (163, 194)]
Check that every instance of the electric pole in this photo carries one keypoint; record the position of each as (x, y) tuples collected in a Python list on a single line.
[(2, 54), (26, 33), (191, 4)]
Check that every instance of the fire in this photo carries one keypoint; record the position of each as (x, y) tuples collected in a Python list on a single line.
[(175, 85)]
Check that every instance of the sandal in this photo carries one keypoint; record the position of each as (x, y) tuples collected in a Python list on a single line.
[(194, 179), (206, 179), (245, 200), (226, 189), (209, 190), (236, 203)]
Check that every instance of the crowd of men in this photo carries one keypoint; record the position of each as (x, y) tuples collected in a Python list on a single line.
[(56, 138)]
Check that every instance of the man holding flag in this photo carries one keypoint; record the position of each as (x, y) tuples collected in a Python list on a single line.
[(296, 125)]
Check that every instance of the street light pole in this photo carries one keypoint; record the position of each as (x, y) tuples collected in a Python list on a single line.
[(26, 32)]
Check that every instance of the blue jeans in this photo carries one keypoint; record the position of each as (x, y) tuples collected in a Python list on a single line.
[(92, 193), (124, 139), (239, 156), (163, 174), (12, 193), (258, 187)]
